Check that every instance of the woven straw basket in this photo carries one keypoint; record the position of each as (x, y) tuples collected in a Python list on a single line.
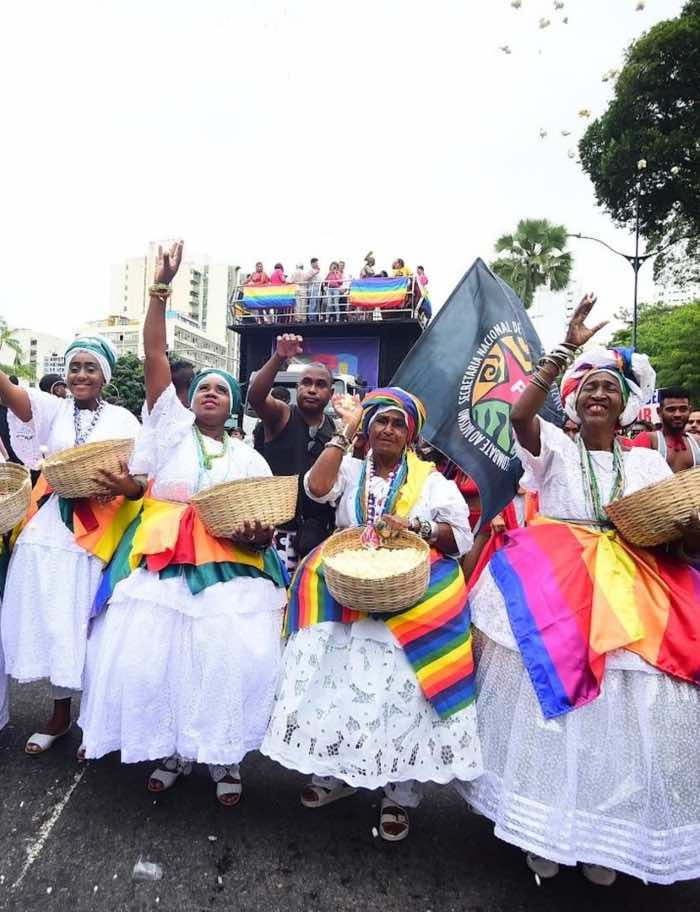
[(70, 472), (15, 494), (393, 593), (647, 517), (226, 506)]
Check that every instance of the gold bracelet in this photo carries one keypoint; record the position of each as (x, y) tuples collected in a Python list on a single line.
[(160, 290)]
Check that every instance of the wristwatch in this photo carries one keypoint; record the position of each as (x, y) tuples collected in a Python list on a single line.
[(427, 530)]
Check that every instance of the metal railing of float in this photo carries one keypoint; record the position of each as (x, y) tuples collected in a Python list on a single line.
[(356, 301)]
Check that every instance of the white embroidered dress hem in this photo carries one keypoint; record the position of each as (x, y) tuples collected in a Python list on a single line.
[(349, 704), (175, 673), (51, 581), (616, 782)]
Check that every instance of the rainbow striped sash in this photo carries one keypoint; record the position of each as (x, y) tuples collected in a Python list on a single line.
[(435, 634), (369, 293), (169, 538), (257, 297), (574, 593), (96, 527)]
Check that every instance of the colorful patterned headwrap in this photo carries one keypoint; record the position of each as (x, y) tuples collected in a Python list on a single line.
[(97, 347), (633, 372), (230, 381), (393, 397)]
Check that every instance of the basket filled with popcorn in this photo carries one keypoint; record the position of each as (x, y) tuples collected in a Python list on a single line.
[(383, 579)]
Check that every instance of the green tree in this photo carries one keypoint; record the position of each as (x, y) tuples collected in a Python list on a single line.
[(671, 337), (654, 116), (535, 255), (127, 385), (16, 365)]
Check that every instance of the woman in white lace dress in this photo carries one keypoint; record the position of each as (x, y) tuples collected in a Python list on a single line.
[(351, 709), (51, 579), (611, 781), (185, 660)]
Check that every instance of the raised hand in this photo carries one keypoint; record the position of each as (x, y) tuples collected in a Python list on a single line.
[(578, 333), (349, 409), (168, 263), (289, 346)]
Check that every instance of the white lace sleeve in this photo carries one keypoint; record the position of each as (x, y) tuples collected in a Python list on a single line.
[(447, 505), (348, 472), (28, 437), (140, 463), (553, 445), (163, 428)]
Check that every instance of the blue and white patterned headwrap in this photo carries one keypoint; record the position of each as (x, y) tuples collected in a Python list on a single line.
[(97, 347)]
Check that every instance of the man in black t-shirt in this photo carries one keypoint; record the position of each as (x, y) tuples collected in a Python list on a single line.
[(293, 438)]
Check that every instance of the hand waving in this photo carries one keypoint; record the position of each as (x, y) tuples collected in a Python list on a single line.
[(578, 333), (168, 263), (349, 409), (289, 346)]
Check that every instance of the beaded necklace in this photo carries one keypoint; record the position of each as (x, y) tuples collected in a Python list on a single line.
[(81, 434), (368, 507), (206, 459), (591, 489)]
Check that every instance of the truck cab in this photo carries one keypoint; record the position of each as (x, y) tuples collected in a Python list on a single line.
[(342, 383)]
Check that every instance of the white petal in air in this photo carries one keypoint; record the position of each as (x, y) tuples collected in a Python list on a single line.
[(566, 132), (558, 4), (640, 6), (505, 48), (641, 164), (544, 23), (584, 112), (516, 4), (675, 170), (543, 133)]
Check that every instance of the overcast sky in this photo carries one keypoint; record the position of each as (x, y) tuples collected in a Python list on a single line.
[(284, 130)]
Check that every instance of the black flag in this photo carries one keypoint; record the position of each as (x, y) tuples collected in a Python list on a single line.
[(469, 367)]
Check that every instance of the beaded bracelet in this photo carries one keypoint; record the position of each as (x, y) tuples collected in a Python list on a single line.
[(160, 290)]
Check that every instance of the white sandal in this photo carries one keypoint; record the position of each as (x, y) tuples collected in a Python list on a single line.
[(43, 741), (174, 767), (325, 795), (224, 789), (391, 812)]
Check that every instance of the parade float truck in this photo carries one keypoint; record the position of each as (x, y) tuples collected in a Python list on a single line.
[(362, 345)]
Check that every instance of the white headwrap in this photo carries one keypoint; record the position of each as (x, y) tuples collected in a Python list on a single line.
[(634, 372)]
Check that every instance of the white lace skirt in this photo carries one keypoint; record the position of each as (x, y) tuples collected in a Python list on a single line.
[(615, 783), (169, 672), (4, 695), (51, 583), (350, 706)]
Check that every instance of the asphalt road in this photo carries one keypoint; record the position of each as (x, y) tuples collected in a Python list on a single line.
[(70, 835)]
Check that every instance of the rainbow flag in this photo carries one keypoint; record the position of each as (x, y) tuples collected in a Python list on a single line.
[(435, 634), (370, 293), (96, 527), (265, 297), (574, 593), (170, 539)]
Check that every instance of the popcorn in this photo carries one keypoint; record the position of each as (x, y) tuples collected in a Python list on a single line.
[(379, 563)]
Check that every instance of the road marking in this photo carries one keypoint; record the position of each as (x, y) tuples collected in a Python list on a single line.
[(35, 849)]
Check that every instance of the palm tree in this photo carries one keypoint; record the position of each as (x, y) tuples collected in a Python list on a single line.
[(17, 365), (535, 255)]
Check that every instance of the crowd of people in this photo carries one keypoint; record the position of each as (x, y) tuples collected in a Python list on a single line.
[(325, 297), (549, 674)]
